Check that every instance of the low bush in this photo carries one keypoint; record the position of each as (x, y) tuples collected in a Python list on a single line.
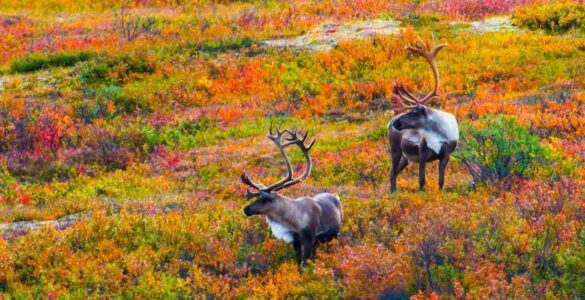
[(119, 69), (498, 149), (7, 182), (36, 61), (572, 265), (421, 20), (555, 17), (219, 46)]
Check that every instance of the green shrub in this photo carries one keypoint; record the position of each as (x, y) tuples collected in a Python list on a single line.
[(6, 184), (184, 134), (378, 134), (118, 69), (423, 20), (30, 63), (220, 46), (115, 94), (555, 17), (498, 148), (571, 281), (37, 61)]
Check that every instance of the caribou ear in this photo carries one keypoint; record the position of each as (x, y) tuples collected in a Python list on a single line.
[(421, 109)]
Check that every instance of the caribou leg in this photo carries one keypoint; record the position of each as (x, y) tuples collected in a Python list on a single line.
[(298, 251), (308, 244), (443, 164), (423, 163), (315, 245), (421, 175), (399, 162)]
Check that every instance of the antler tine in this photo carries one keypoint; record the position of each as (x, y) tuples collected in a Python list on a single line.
[(422, 43), (278, 134), (406, 95), (247, 181), (249, 193), (402, 99), (293, 137), (398, 106), (311, 144), (305, 137)]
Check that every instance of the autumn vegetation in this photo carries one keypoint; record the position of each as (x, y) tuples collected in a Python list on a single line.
[(147, 120)]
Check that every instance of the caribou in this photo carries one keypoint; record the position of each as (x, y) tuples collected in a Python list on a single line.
[(306, 221), (418, 133)]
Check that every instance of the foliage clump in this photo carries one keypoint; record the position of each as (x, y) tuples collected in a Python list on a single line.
[(135, 25), (119, 69), (7, 183), (554, 17), (38, 61), (498, 148)]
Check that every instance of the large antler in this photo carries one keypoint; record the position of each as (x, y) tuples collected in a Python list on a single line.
[(305, 149), (289, 179), (402, 99)]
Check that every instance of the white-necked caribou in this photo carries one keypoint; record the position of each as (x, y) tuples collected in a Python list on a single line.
[(418, 133), (305, 221)]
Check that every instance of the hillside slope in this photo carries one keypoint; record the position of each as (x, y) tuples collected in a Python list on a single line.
[(131, 126)]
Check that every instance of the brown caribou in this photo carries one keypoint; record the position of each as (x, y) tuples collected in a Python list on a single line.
[(305, 221), (418, 133)]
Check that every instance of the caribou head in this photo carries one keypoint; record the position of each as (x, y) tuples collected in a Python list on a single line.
[(304, 221), (418, 133)]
